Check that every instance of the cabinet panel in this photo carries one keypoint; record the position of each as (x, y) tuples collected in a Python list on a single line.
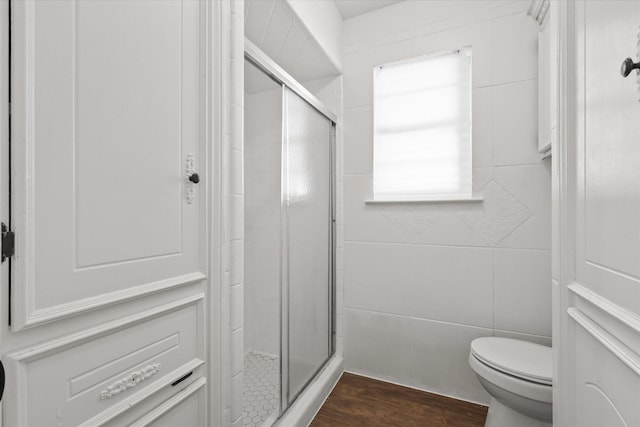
[(607, 390), (107, 118), (93, 376)]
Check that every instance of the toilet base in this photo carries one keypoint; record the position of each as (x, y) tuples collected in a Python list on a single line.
[(502, 416)]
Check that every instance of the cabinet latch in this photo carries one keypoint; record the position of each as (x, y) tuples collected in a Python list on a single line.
[(8, 242)]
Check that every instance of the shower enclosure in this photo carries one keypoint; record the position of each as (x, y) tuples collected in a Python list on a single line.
[(289, 239)]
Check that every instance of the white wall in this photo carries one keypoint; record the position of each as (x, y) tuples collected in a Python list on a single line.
[(262, 149), (324, 22), (421, 281)]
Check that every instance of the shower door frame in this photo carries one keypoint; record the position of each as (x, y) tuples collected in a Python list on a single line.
[(262, 61)]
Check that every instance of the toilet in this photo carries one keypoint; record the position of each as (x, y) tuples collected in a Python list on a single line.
[(517, 374)]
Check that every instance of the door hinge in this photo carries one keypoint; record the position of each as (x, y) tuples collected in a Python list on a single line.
[(8, 242)]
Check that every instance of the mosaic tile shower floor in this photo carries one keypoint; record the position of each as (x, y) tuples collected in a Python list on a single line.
[(261, 388)]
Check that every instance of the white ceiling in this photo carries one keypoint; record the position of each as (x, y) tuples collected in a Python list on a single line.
[(277, 31), (350, 8)]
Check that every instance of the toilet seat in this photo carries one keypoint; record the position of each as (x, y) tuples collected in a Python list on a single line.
[(524, 388), (520, 359)]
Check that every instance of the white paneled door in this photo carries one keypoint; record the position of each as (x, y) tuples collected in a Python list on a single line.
[(599, 217), (108, 201)]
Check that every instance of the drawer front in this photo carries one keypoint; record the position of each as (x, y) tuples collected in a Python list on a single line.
[(92, 377), (185, 408)]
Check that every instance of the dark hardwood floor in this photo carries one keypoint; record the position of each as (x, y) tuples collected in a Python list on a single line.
[(361, 401)]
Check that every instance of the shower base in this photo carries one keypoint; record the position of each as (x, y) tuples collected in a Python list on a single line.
[(261, 396)]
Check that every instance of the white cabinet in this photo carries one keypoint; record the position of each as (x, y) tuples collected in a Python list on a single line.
[(111, 117), (543, 11), (596, 334)]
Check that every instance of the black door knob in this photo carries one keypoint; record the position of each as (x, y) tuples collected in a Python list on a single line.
[(628, 66), (195, 178)]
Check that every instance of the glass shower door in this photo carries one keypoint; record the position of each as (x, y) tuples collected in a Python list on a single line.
[(307, 221), (263, 108)]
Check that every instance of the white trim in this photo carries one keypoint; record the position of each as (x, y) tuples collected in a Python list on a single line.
[(284, 259), (473, 198), (622, 315), (627, 356), (171, 403), (50, 314), (214, 340), (268, 65), (307, 405), (563, 212), (47, 348), (546, 154)]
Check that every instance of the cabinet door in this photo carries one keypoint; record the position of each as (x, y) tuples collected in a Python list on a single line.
[(599, 310), (107, 124)]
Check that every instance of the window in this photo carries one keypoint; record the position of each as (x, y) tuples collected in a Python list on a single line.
[(422, 128)]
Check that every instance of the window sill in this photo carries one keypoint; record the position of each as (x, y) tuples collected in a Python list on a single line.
[(473, 199)]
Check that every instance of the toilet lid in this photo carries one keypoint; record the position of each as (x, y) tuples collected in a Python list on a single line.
[(522, 359)]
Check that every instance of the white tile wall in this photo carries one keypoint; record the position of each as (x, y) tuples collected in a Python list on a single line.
[(233, 216), (378, 344), (523, 291), (358, 71), (482, 132), (415, 18), (515, 123), (439, 358), (515, 48), (455, 284), (362, 223), (448, 230), (359, 153), (476, 35), (422, 281), (529, 184), (379, 277), (445, 283)]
